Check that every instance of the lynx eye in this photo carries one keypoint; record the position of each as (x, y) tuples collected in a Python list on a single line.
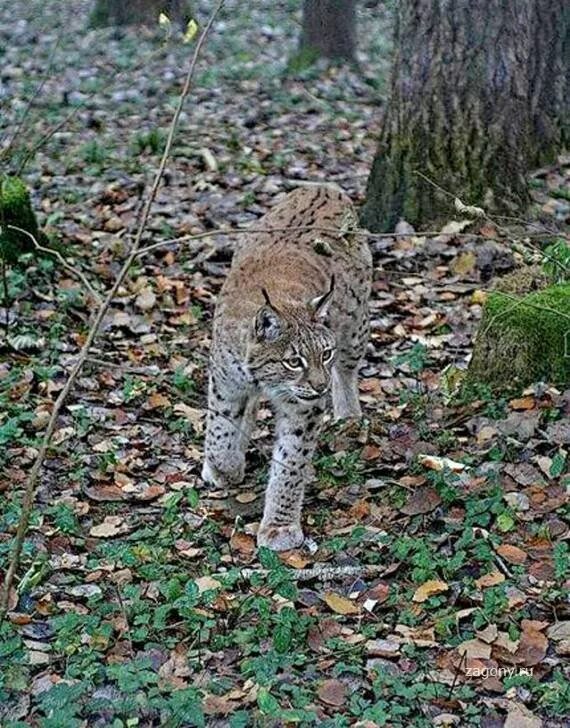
[(328, 355), (294, 362)]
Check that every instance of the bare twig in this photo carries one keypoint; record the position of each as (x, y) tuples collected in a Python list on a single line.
[(324, 572), (69, 268), (30, 489), (296, 229)]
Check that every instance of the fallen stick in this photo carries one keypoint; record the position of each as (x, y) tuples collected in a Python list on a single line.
[(320, 571)]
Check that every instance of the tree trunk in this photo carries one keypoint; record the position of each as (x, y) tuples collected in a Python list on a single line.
[(458, 112), (550, 79), (329, 28), (140, 12)]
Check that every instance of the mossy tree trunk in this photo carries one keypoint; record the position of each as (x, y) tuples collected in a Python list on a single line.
[(329, 28), (139, 12), (549, 83), (458, 111)]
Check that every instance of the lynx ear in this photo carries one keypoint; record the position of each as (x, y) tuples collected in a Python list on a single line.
[(267, 323), (320, 305)]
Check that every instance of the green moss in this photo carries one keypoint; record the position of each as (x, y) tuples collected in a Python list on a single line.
[(15, 209), (303, 59), (523, 339)]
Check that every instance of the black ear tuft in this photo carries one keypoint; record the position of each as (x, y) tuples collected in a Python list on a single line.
[(266, 296), (320, 305)]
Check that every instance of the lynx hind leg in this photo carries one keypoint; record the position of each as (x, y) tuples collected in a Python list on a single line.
[(231, 415), (352, 338)]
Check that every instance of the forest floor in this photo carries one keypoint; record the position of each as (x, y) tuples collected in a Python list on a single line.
[(132, 606)]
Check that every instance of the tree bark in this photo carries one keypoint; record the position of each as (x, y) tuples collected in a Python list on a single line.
[(329, 28), (458, 112), (140, 12), (549, 92)]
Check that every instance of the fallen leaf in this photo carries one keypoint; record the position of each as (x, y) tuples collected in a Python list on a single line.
[(523, 403), (559, 631), (194, 415), (243, 543), (491, 579), (475, 649), (111, 526), (205, 583), (340, 604), (419, 636), (247, 496), (382, 648), (434, 462), (332, 692), (519, 716), (428, 589), (146, 299), (157, 401), (512, 554), (423, 500)]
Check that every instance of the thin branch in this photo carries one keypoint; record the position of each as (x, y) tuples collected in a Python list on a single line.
[(325, 572), (30, 489), (69, 268), (304, 228)]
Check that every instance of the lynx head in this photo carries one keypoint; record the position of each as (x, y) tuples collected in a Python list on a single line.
[(291, 350)]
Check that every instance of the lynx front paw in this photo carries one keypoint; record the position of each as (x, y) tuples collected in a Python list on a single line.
[(223, 478), (280, 538)]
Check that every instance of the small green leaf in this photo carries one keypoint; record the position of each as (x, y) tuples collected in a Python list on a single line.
[(267, 703), (557, 465), (505, 522), (282, 638)]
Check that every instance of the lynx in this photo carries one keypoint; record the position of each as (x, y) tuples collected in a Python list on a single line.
[(291, 321)]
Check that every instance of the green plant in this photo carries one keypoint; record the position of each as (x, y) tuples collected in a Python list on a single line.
[(15, 209)]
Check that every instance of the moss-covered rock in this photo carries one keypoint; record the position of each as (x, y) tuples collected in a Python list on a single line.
[(523, 339), (15, 209)]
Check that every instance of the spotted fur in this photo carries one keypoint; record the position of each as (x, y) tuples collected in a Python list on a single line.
[(291, 322)]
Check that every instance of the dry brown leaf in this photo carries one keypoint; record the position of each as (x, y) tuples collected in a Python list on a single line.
[(491, 579), (559, 631), (523, 403), (532, 647), (205, 583), (247, 496), (194, 415), (519, 716), (475, 649), (332, 692), (340, 604), (243, 543), (423, 500), (512, 554), (419, 636), (294, 559), (146, 299), (157, 401), (111, 526), (428, 589)]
